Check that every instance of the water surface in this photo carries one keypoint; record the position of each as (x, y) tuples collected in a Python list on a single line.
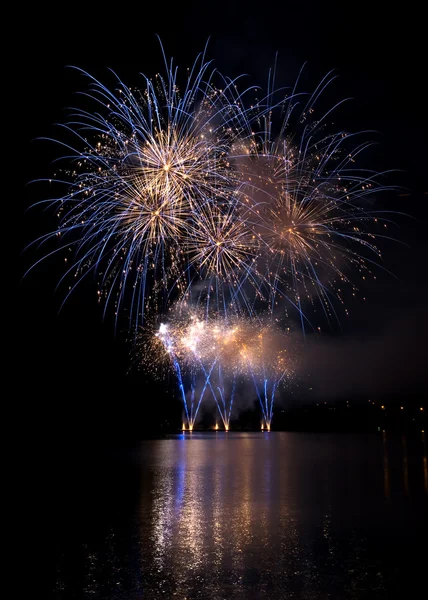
[(248, 516)]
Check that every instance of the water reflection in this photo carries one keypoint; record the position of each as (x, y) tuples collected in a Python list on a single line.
[(263, 516), (253, 516)]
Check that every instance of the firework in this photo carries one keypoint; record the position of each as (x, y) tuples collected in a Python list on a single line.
[(147, 167), (194, 197), (198, 214), (182, 341), (191, 348), (270, 364), (223, 339), (307, 203), (223, 251), (216, 353)]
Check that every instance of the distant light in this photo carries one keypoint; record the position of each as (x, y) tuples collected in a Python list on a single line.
[(421, 408), (382, 407), (402, 407)]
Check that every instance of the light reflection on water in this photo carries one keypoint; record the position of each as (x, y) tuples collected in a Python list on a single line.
[(279, 515)]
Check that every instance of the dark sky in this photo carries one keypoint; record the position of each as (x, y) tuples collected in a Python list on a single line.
[(71, 362)]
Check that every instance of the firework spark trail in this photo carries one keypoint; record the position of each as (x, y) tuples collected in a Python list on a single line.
[(227, 398), (223, 344), (218, 385), (198, 348), (180, 348), (255, 350), (267, 359)]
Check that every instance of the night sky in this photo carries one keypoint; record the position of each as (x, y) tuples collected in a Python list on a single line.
[(72, 371)]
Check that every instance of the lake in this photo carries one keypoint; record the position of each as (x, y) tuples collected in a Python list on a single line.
[(242, 516)]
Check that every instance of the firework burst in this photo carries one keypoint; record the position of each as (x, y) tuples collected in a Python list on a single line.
[(308, 204), (145, 164)]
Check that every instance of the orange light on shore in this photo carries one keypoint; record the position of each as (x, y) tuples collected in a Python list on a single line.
[(190, 427), (268, 426), (263, 426), (216, 427), (183, 428)]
